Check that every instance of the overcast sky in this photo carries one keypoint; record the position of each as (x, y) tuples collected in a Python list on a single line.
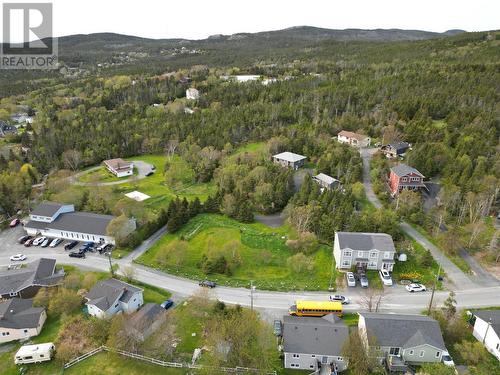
[(196, 19)]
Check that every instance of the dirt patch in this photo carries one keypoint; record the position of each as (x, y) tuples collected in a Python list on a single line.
[(492, 268)]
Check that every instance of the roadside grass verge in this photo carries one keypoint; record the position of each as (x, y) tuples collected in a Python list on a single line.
[(262, 251)]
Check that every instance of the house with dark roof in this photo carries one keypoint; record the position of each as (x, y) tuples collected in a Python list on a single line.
[(56, 220), (112, 296), (119, 167), (373, 251), (402, 339), (289, 159), (353, 139), (325, 181), (487, 329), (403, 177), (147, 320), (25, 282), (314, 343), (19, 320), (394, 149), (6, 129)]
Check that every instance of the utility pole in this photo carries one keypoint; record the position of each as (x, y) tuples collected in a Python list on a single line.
[(252, 289), (433, 290)]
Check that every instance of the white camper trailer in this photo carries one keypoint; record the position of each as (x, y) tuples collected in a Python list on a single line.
[(34, 353)]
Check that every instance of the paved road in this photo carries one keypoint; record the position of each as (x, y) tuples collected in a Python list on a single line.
[(143, 169), (454, 274)]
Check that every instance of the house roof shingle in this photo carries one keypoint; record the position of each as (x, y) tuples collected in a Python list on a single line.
[(82, 222), (289, 156), (348, 134), (325, 178), (106, 292), (404, 331), (118, 164), (365, 241), (309, 335), (146, 316), (492, 316), (401, 170), (19, 313), (40, 272), (47, 209)]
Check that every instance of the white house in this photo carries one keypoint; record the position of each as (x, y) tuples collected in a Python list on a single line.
[(19, 320), (311, 343), (289, 159), (112, 296), (487, 329), (57, 220), (373, 251), (192, 94), (119, 167), (353, 139)]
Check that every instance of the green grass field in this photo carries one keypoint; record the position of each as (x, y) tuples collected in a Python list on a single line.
[(102, 175), (262, 250)]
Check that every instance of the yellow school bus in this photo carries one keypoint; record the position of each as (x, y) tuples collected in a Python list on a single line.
[(315, 308)]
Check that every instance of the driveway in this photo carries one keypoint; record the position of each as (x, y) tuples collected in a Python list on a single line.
[(143, 169), (454, 274)]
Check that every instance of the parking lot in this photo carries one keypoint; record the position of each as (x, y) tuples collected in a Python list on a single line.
[(9, 245)]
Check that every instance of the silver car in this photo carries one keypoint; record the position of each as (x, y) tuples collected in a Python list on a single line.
[(363, 280)]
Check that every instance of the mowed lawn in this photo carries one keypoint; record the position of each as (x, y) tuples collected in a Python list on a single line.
[(154, 186), (262, 250)]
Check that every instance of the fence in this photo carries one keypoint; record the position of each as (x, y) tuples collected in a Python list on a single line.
[(232, 370)]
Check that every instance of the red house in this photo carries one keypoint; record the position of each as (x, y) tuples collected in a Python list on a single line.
[(403, 176)]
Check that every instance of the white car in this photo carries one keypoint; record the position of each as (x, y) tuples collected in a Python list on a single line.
[(39, 241), (55, 242), (385, 277), (340, 298), (18, 257), (415, 287), (447, 360), (351, 280)]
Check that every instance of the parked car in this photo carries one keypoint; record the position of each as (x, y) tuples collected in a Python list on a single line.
[(340, 298), (363, 280), (351, 280), (38, 241), (14, 223), (385, 276), (104, 247), (23, 239), (29, 242), (46, 242), (207, 284), (415, 287), (447, 360), (77, 254), (167, 304), (70, 245), (18, 257), (55, 242), (278, 328)]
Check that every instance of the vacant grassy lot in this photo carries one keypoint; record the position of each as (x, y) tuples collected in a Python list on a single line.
[(262, 250)]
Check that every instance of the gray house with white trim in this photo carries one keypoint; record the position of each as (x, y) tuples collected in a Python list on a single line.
[(290, 160), (112, 296), (311, 343), (373, 251), (19, 320), (406, 339)]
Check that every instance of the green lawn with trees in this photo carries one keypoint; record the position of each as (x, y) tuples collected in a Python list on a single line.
[(234, 253)]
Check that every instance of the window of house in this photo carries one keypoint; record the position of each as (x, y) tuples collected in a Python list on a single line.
[(25, 331), (347, 253), (360, 254), (12, 294), (116, 305), (340, 359), (422, 352), (372, 265), (387, 255), (411, 352), (498, 346), (346, 263), (403, 179), (311, 366), (295, 356), (437, 354), (41, 355), (394, 351), (314, 355), (373, 254)]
